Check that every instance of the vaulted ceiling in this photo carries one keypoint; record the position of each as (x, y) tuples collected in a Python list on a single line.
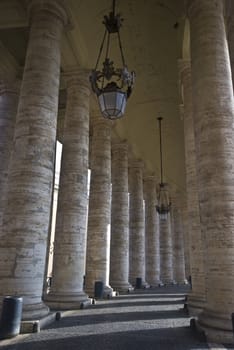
[(152, 37)]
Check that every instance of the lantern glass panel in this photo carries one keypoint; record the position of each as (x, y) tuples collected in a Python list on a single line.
[(112, 104)]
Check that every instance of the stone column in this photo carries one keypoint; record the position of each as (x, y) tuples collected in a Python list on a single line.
[(136, 223), (99, 217), (185, 207), (213, 121), (178, 239), (152, 242), (166, 258), (9, 96), (70, 235), (119, 249), (186, 223), (26, 218), (196, 298)]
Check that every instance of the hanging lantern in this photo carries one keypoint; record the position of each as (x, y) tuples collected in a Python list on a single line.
[(164, 205), (113, 86)]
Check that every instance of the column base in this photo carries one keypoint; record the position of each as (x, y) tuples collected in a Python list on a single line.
[(60, 301), (142, 283), (216, 326), (34, 311), (122, 287), (108, 292), (185, 282), (168, 282), (155, 284), (182, 281), (145, 284), (195, 304)]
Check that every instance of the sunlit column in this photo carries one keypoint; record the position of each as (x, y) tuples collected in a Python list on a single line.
[(136, 223), (99, 217), (184, 201), (177, 238), (186, 222), (196, 298), (166, 258), (119, 249), (152, 242), (70, 235)]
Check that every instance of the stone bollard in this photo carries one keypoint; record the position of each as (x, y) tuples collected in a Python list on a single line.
[(138, 283), (98, 289), (11, 317)]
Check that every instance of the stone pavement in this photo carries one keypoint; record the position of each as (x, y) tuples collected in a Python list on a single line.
[(147, 319)]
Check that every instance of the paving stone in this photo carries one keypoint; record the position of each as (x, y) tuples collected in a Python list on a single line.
[(146, 319)]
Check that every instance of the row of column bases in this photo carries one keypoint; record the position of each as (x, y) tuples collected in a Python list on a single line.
[(27, 170)]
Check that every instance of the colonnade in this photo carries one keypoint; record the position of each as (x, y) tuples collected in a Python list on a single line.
[(116, 236)]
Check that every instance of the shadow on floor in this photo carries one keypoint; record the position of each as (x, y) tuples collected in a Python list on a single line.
[(161, 339), (133, 321), (93, 319)]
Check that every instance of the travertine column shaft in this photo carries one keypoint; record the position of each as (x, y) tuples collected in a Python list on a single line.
[(177, 239), (119, 249), (196, 298), (186, 223), (70, 234), (166, 258), (185, 211), (26, 218), (136, 223), (99, 217), (213, 121), (9, 96), (152, 242)]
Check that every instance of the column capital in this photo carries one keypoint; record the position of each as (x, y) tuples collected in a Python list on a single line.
[(136, 164), (149, 184), (54, 7), (149, 178), (174, 192), (200, 6), (74, 76), (98, 119), (119, 146)]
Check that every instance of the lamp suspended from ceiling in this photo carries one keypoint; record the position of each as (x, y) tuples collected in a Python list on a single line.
[(112, 85), (163, 206)]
